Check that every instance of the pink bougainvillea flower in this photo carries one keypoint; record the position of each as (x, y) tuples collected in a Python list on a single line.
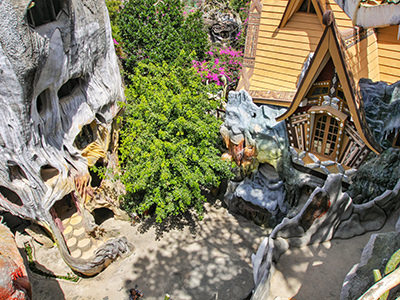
[(223, 62), (115, 42)]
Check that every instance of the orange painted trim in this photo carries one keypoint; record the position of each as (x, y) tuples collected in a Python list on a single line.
[(329, 109)]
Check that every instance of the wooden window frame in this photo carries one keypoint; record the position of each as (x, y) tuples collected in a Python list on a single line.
[(324, 84), (327, 130)]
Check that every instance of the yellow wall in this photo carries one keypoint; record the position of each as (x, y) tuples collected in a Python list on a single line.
[(389, 54), (362, 58), (281, 52), (342, 20)]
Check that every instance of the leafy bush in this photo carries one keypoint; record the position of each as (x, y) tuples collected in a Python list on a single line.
[(168, 140), (241, 7), (156, 31)]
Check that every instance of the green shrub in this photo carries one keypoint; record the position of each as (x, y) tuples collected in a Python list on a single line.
[(168, 140), (241, 7), (156, 31)]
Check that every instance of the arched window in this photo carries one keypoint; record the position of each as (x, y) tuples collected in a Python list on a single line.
[(325, 136)]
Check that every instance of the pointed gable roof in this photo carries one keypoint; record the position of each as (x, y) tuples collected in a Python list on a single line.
[(331, 46), (294, 5)]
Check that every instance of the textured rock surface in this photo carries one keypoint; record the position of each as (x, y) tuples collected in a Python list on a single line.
[(374, 256), (382, 108), (370, 15), (59, 88), (257, 143), (222, 23), (264, 191), (260, 197), (267, 182), (376, 176)]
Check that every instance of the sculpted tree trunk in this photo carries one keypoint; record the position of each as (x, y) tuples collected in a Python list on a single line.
[(59, 88)]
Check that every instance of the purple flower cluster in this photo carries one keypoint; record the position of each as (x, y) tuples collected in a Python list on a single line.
[(189, 11), (221, 62)]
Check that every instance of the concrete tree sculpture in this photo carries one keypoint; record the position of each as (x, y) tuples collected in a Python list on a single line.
[(59, 88)]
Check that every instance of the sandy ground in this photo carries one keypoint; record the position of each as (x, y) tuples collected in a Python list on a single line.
[(207, 259), (204, 260)]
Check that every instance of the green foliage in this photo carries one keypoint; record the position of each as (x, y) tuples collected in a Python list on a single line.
[(168, 140), (241, 7), (114, 7), (156, 31)]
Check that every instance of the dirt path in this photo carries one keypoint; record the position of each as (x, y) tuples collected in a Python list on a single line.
[(202, 260)]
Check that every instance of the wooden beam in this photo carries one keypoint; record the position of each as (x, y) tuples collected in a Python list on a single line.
[(289, 11), (386, 283)]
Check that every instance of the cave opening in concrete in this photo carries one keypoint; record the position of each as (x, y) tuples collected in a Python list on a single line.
[(96, 179), (15, 223), (43, 11), (10, 196), (43, 103), (15, 172), (64, 208), (48, 172), (102, 214), (100, 118), (67, 88), (85, 137)]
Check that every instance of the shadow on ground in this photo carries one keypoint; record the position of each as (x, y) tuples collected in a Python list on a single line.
[(184, 257), (208, 259)]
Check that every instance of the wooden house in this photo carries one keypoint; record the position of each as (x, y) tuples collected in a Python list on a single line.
[(307, 55), (281, 35), (326, 116)]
